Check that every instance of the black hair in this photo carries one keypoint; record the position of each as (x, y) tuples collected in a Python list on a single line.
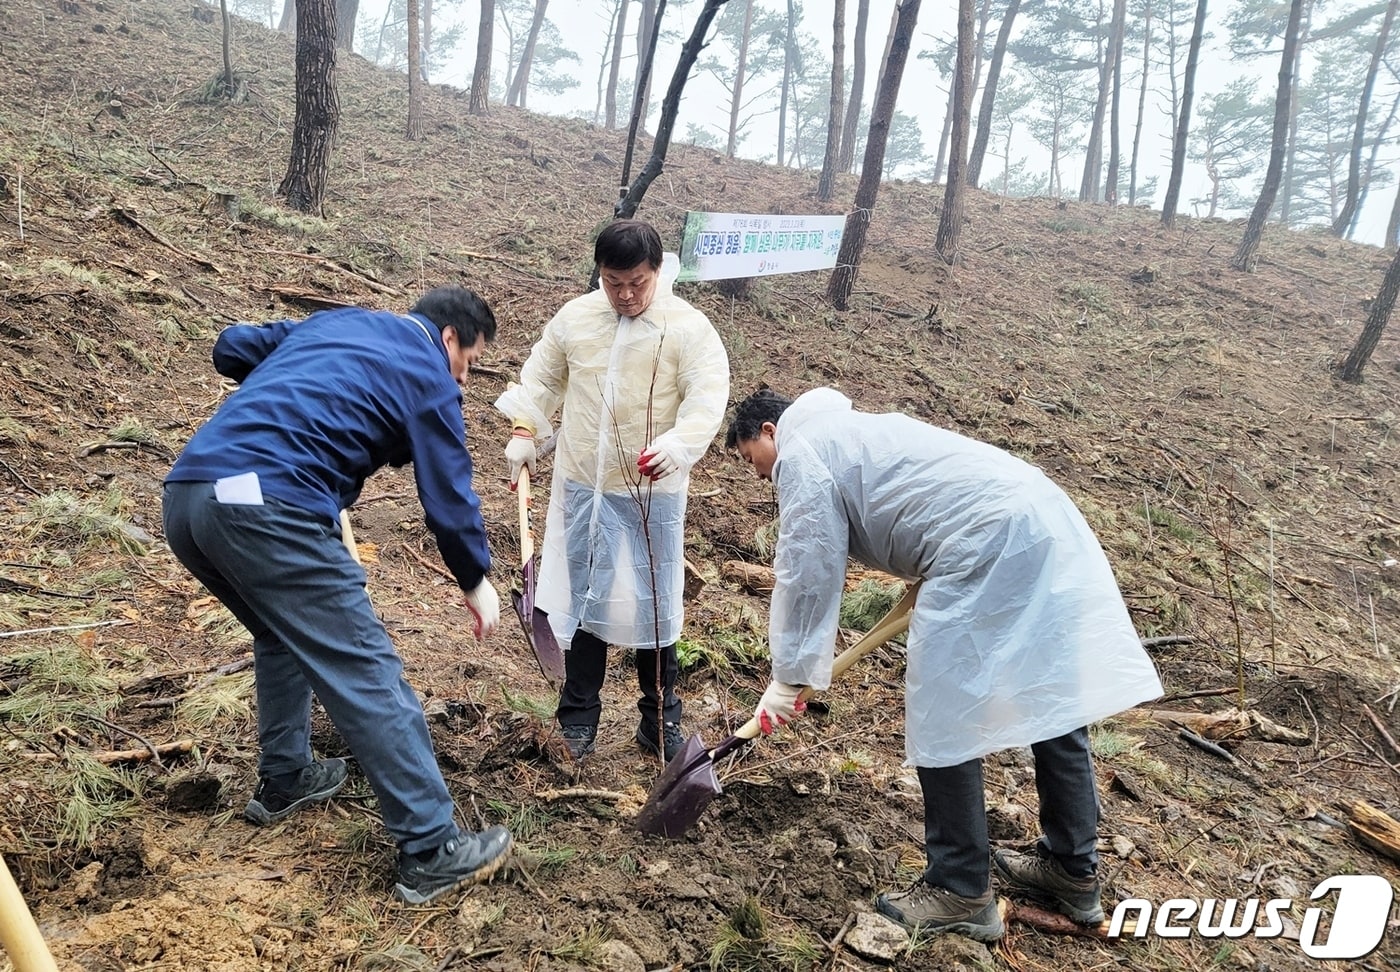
[(460, 309), (624, 243), (764, 405)]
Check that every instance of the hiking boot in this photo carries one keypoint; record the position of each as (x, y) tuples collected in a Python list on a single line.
[(281, 796), (1042, 876), (463, 860), (579, 739), (928, 910), (670, 732)]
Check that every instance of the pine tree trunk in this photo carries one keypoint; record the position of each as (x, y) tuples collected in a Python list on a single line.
[(1115, 118), (521, 84), (479, 103), (947, 131), (1392, 226), (1375, 323), (1248, 253), (670, 105), (736, 94), (1183, 119), (989, 94), (1285, 214), (846, 157), (647, 27), (826, 184), (954, 195), (415, 81), (787, 81), (1343, 221), (228, 49), (426, 50), (610, 101), (317, 107), (288, 22), (345, 13), (1093, 151), (1142, 103), (843, 278)]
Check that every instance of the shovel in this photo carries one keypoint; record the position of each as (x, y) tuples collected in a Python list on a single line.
[(688, 784), (535, 622)]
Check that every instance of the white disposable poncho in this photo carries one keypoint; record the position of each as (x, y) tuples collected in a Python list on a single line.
[(1019, 633), (624, 383)]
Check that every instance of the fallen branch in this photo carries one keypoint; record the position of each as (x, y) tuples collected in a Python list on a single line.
[(429, 564), (338, 267), (1205, 745), (580, 793), (63, 627), (222, 670), (1232, 724), (155, 754), (1165, 640), (1377, 830), (1054, 922), (1380, 728), (109, 756), (125, 216)]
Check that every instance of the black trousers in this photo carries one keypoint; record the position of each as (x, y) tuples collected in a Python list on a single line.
[(585, 667), (955, 815)]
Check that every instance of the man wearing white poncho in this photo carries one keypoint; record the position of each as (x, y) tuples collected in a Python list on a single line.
[(1019, 636), (643, 381)]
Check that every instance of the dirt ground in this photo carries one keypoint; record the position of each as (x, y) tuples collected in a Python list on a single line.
[(1244, 496)]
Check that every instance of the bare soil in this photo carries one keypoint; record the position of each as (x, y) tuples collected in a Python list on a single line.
[(1245, 498)]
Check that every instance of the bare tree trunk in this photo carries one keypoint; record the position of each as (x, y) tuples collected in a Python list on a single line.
[(1286, 206), (1093, 156), (989, 94), (479, 103), (1183, 119), (415, 81), (1142, 104), (736, 94), (670, 105), (846, 157), (1248, 253), (610, 101), (427, 50), (788, 48), (1115, 115), (647, 27), (826, 183), (289, 17), (318, 107), (228, 49), (639, 108), (947, 130), (345, 13), (1376, 144), (954, 195), (1342, 224), (519, 86), (1392, 226), (1370, 335), (843, 278)]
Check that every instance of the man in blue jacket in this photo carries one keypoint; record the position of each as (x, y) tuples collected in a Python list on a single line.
[(252, 507)]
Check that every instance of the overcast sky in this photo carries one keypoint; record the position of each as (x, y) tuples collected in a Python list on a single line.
[(923, 93)]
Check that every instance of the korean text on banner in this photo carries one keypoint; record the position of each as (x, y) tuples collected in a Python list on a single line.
[(719, 245)]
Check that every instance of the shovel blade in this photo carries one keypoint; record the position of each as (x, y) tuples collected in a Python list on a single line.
[(681, 793), (540, 635)]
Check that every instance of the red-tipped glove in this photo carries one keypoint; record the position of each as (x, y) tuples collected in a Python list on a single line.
[(779, 706), (485, 605), (658, 461)]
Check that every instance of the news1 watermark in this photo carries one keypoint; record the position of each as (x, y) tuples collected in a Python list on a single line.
[(1358, 924)]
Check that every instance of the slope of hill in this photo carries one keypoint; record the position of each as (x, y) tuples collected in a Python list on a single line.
[(1246, 499)]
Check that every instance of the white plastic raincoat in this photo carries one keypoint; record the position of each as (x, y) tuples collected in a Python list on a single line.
[(1019, 634), (613, 375)]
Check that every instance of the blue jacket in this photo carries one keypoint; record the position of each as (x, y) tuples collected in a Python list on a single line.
[(326, 402)]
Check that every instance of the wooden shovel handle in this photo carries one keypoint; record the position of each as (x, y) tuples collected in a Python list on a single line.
[(527, 538), (894, 623), (18, 933)]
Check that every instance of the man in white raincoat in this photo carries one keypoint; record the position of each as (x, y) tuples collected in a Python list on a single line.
[(643, 380), (1019, 636)]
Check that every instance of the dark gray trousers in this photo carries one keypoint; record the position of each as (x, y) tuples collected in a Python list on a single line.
[(284, 573), (585, 668), (955, 815)]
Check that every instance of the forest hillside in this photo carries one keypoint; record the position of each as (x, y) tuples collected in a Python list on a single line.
[(1245, 498)]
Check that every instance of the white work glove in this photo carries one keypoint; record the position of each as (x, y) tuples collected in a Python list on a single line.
[(658, 460), (485, 605), (779, 706), (520, 453)]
